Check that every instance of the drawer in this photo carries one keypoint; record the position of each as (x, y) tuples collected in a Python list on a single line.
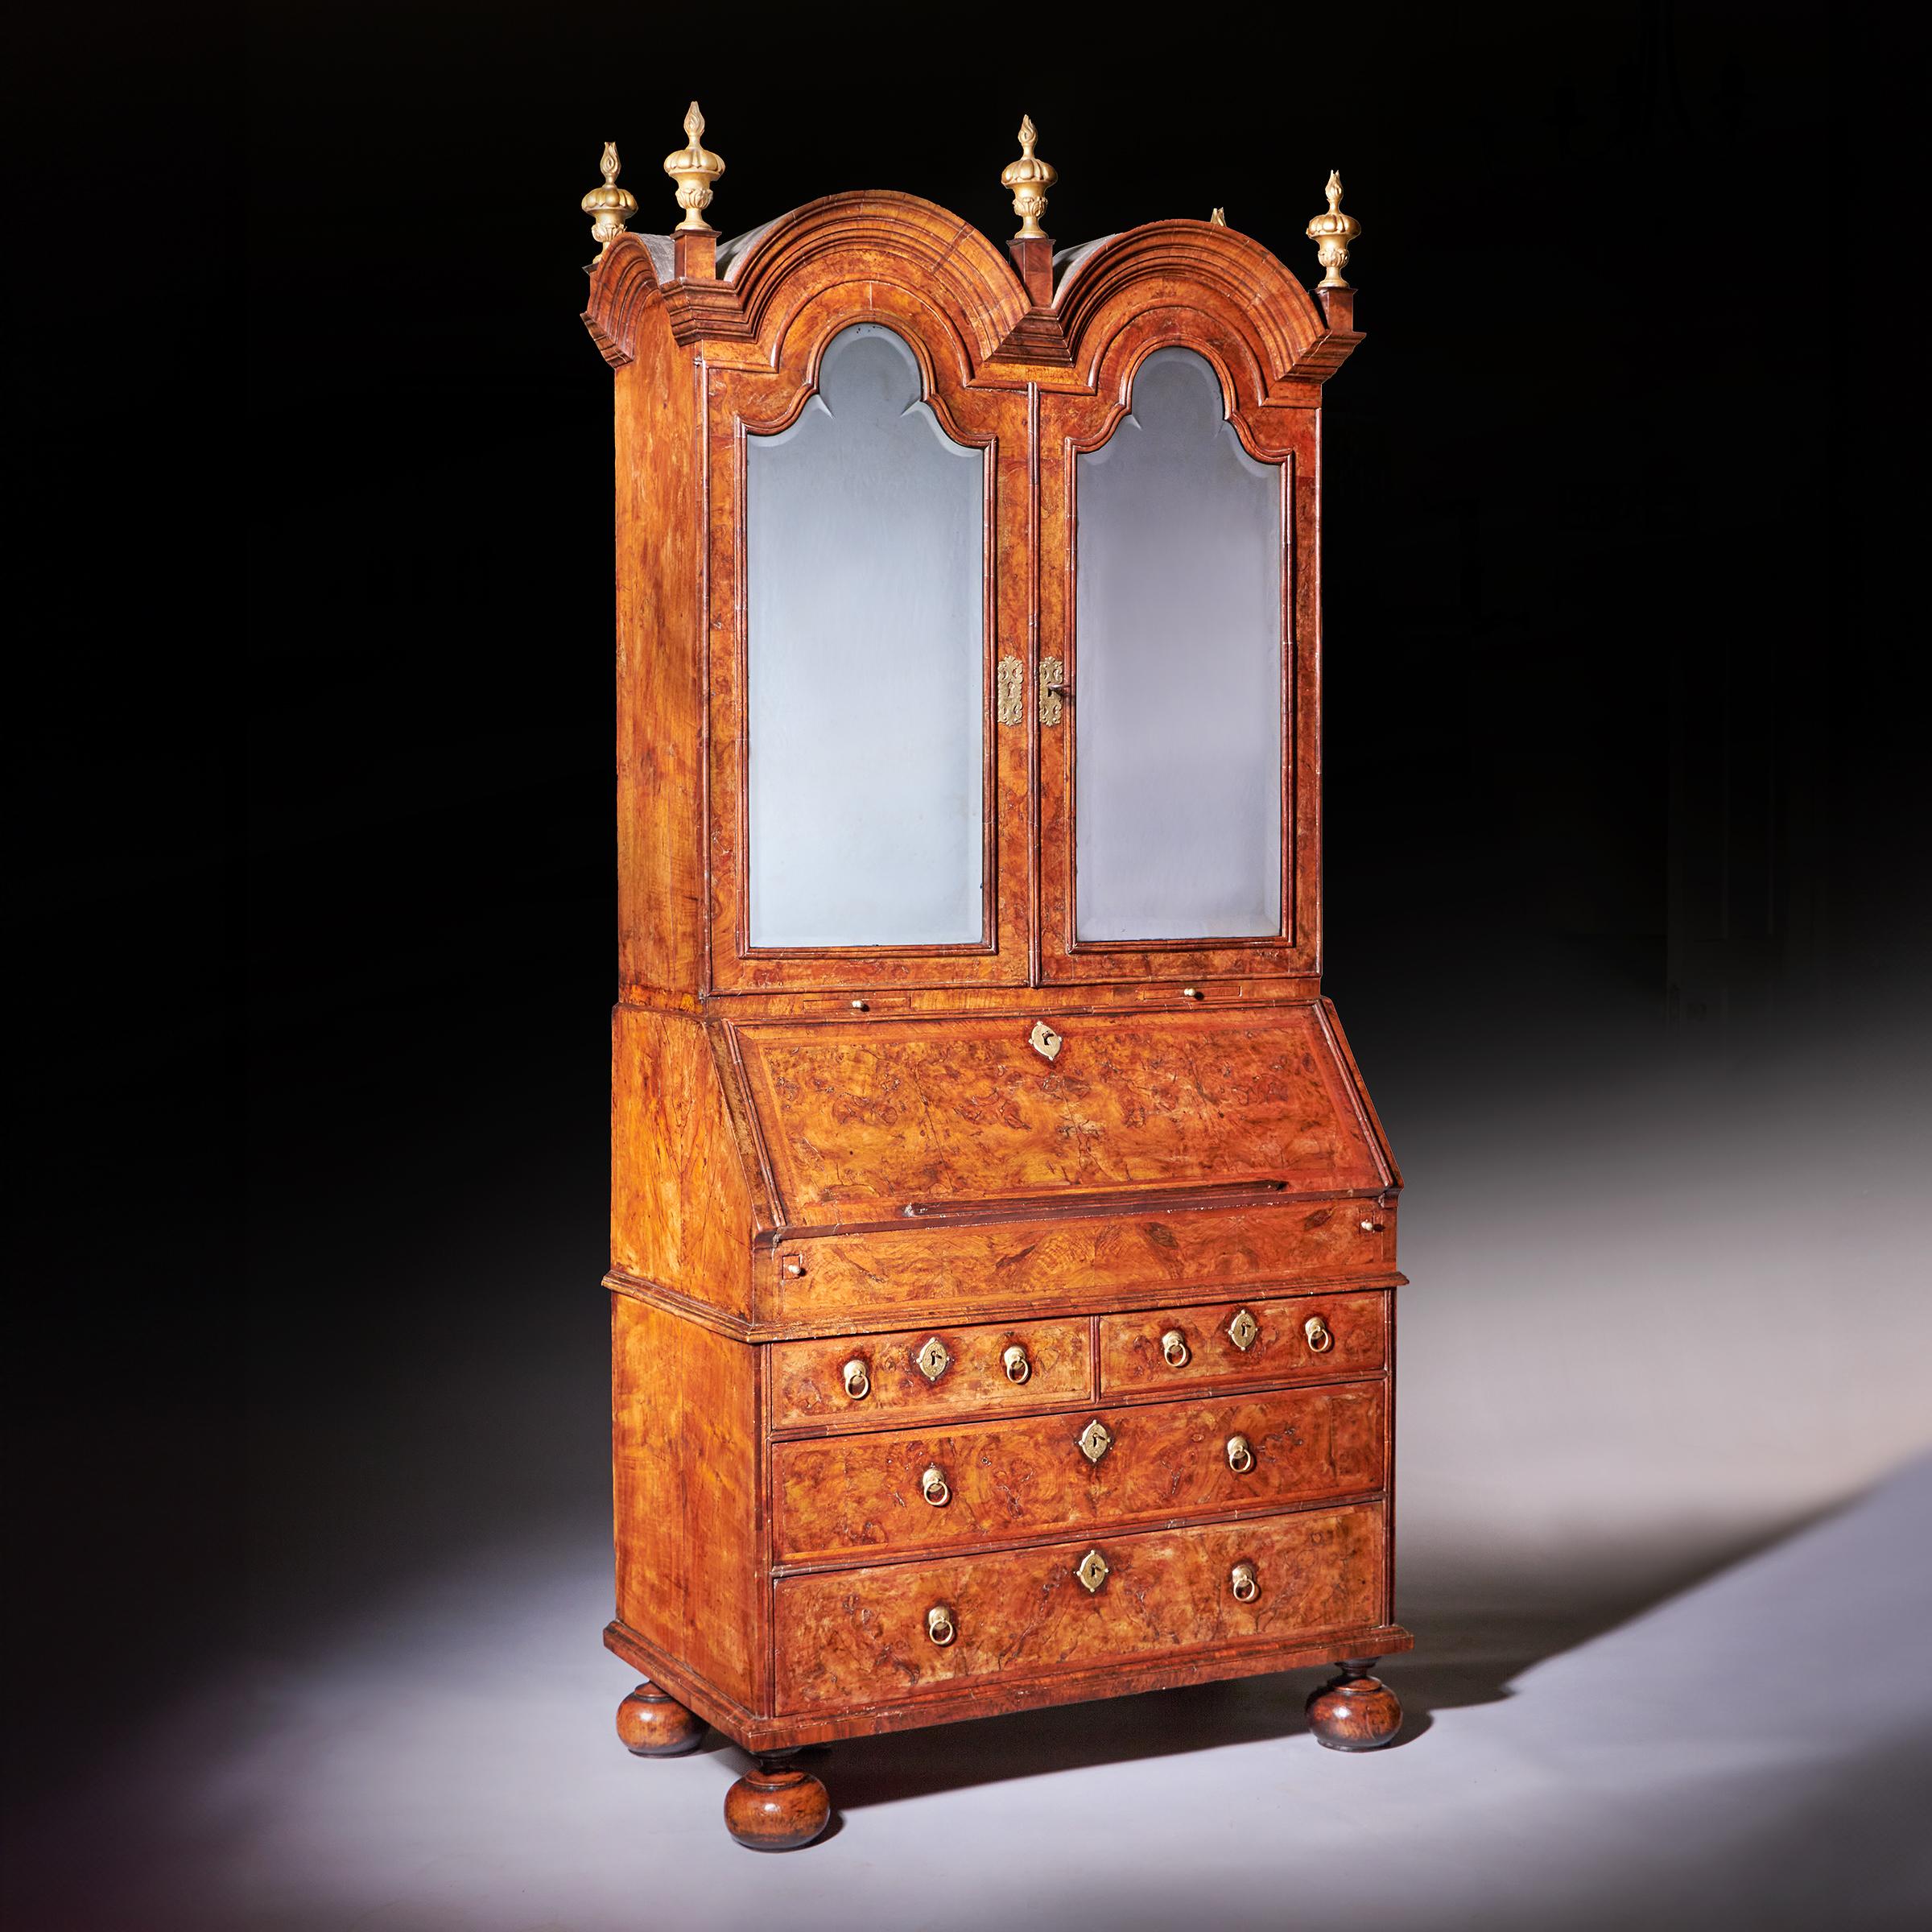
[(977, 1377), (853, 1637), (1137, 1352), (1153, 1252), (920, 1489)]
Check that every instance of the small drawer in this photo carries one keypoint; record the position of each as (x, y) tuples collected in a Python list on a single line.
[(1315, 1335), (853, 1638), (922, 1489), (922, 1371)]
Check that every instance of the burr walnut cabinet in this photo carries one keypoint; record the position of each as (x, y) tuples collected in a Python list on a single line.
[(1003, 1260)]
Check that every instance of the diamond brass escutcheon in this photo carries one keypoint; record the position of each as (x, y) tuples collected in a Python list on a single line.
[(1243, 1329), (1096, 1439), (933, 1359), (1092, 1571), (1043, 1040)]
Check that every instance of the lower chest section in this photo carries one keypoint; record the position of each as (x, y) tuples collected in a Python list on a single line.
[(864, 1530)]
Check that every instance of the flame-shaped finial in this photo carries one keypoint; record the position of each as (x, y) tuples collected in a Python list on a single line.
[(1332, 234), (609, 207), (1029, 177), (694, 168), (1218, 219)]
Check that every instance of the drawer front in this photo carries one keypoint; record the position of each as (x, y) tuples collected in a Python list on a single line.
[(860, 1637), (1082, 1260), (926, 1489), (1191, 1347), (810, 1384)]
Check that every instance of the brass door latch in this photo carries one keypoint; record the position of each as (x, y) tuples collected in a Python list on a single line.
[(1053, 689)]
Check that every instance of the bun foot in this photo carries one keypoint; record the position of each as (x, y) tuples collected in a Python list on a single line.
[(1354, 1711), (653, 1725), (776, 1807)]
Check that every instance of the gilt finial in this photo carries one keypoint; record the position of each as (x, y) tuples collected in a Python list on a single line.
[(609, 207), (694, 168), (1029, 177), (1218, 219), (1332, 234)]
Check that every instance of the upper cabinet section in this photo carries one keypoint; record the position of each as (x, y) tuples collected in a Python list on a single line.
[(967, 601)]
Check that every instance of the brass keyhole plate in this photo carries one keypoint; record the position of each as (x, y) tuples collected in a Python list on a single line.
[(1092, 1571), (1243, 1329), (1010, 707), (1096, 1439), (934, 1358), (1044, 1040)]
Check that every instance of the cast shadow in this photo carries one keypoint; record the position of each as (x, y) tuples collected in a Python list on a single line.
[(1476, 1636)]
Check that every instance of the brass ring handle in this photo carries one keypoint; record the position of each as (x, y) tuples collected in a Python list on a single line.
[(1240, 1455), (1244, 1583), (1319, 1340), (1018, 1368), (939, 1625), (932, 1486), (858, 1379), (1174, 1349)]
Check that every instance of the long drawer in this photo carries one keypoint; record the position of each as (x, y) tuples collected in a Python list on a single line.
[(919, 1489), (1218, 1343), (865, 1382), (854, 1637)]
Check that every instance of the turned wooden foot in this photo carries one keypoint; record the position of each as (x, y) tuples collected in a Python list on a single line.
[(776, 1807), (1354, 1711), (653, 1725)]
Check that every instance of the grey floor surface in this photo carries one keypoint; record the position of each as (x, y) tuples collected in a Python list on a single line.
[(1666, 1546), (1752, 1751)]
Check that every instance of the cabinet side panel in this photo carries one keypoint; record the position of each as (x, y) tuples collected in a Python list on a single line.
[(661, 892), (680, 1201), (684, 1464)]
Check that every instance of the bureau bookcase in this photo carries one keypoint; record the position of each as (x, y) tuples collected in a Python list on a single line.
[(1003, 1260)]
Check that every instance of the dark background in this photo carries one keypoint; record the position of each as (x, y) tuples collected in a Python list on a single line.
[(321, 936)]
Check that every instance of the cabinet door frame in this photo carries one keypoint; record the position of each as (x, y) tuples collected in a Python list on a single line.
[(740, 403), (1287, 436)]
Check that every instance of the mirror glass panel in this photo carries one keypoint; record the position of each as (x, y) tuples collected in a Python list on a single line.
[(866, 663), (1178, 713)]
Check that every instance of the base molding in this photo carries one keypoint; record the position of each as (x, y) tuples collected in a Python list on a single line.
[(759, 1734)]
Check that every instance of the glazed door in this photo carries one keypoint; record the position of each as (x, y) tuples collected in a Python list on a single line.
[(1168, 718), (868, 527)]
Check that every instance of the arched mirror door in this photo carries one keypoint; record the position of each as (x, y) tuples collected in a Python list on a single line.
[(868, 611), (1173, 757), (866, 626)]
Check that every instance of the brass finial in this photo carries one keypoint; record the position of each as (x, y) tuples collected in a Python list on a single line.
[(1029, 177), (1218, 219), (609, 206), (694, 168), (1332, 234)]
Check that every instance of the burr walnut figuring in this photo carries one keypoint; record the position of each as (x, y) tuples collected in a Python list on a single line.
[(1003, 1243)]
